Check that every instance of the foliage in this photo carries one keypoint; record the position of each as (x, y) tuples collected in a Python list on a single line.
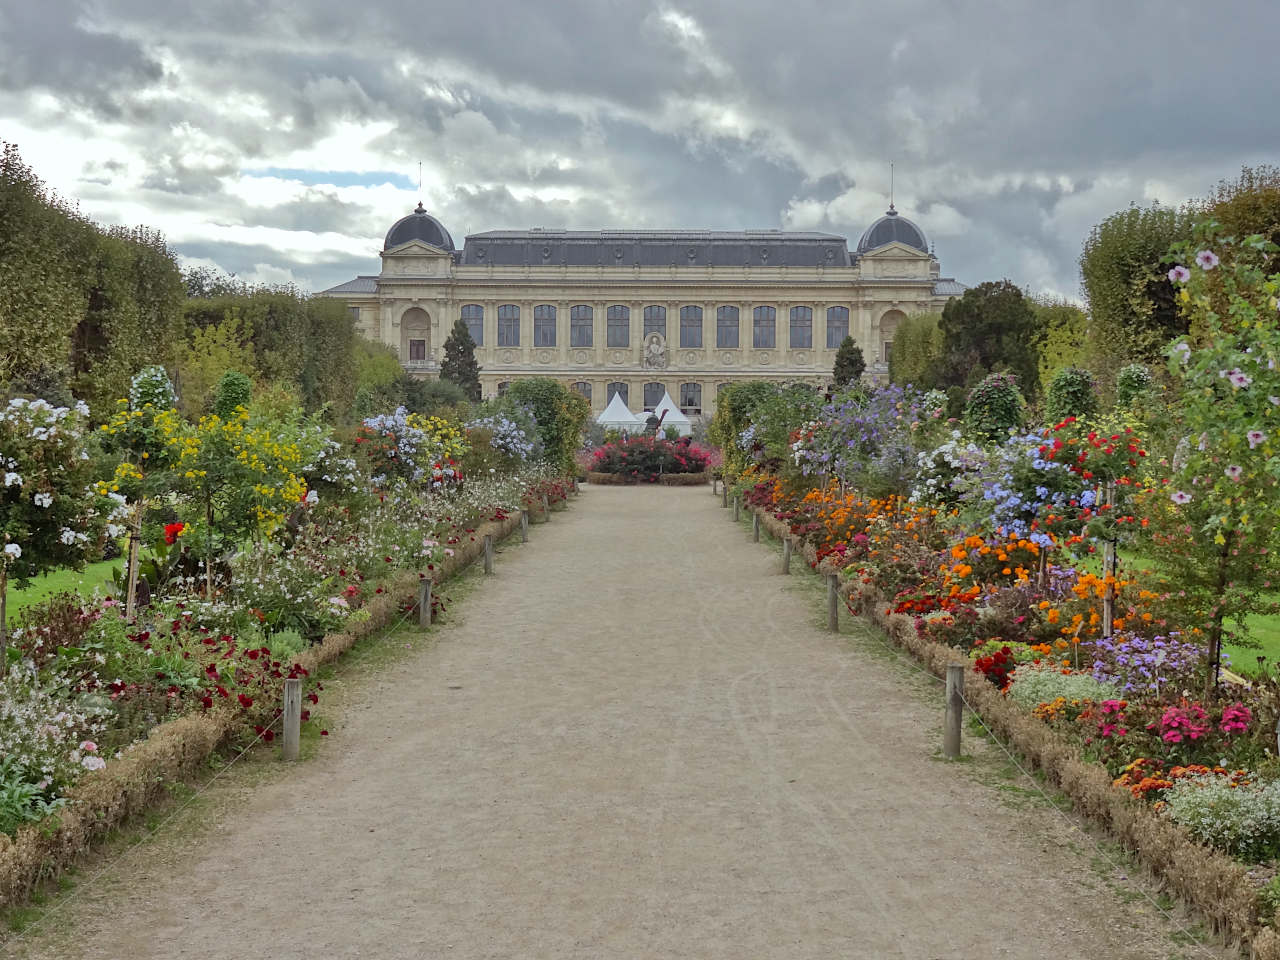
[(1242, 819), (459, 365), (1072, 393), (1063, 329), (644, 459), (1133, 382), (995, 406), (1248, 205), (992, 328), (849, 364), (1037, 683), (214, 351), (427, 396), (234, 390), (560, 413), (917, 351)]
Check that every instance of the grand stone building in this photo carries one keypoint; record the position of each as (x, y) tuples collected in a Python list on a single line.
[(640, 312)]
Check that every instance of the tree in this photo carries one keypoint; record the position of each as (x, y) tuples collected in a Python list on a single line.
[(1072, 393), (212, 352), (234, 390), (991, 328), (1124, 269), (917, 348), (1249, 205), (1063, 328), (849, 363), (995, 406), (560, 413), (459, 364)]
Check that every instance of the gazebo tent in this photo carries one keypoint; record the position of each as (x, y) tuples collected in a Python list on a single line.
[(616, 416), (674, 417)]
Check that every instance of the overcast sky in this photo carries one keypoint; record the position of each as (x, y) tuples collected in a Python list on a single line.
[(280, 140)]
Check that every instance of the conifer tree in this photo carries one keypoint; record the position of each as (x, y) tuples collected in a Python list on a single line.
[(849, 363), (459, 364)]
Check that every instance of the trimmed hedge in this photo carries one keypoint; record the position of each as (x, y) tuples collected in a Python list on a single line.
[(665, 479), (1218, 886)]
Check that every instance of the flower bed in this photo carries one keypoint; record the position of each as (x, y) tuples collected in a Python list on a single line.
[(649, 460), (664, 479)]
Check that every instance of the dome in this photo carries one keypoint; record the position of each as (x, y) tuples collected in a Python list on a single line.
[(893, 227), (418, 225)]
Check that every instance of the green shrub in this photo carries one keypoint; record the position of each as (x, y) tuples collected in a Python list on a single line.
[(1072, 393), (1132, 382), (560, 412), (1240, 819), (1037, 683), (234, 390), (995, 406)]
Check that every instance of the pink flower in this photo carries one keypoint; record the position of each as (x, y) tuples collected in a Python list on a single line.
[(1239, 379), (1255, 437), (1180, 497), (89, 746), (1236, 718), (1179, 274), (1207, 259), (1235, 472)]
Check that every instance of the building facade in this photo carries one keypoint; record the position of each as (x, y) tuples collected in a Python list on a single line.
[(641, 312)]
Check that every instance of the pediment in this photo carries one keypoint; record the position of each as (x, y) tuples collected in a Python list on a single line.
[(416, 248), (894, 250)]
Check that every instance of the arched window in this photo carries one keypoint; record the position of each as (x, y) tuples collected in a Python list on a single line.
[(837, 326), (653, 393), (721, 388), (544, 325), (764, 328), (691, 326), (888, 329), (618, 326), (583, 388), (616, 389), (655, 320), (727, 328), (415, 333), (473, 317), (581, 325), (508, 325), (801, 328), (502, 387), (691, 397)]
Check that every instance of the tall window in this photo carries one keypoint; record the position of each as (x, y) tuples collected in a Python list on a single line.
[(502, 387), (417, 350), (727, 327), (837, 326), (655, 320), (544, 325), (583, 388), (691, 397), (354, 314), (473, 317), (721, 388), (616, 389), (508, 325), (801, 328), (888, 350), (618, 319), (581, 323), (691, 326), (764, 328), (653, 393)]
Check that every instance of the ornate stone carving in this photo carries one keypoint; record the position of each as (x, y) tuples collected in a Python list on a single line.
[(580, 357), (655, 352), (509, 357), (726, 358), (544, 356), (691, 357)]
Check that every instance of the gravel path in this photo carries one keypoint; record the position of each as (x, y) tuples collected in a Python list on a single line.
[(634, 741)]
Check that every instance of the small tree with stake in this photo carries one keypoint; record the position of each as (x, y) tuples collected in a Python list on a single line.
[(849, 363), (460, 364)]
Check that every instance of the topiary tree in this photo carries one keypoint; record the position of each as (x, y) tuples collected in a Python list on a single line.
[(1072, 393), (459, 365), (234, 390), (1132, 382), (560, 414), (849, 363), (995, 406)]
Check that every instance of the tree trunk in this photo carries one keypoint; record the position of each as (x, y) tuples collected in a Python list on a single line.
[(1215, 625), (131, 573)]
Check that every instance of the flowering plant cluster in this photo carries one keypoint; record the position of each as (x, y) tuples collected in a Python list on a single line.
[(645, 459)]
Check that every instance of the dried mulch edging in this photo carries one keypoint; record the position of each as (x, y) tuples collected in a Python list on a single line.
[(1212, 882), (174, 749), (665, 479)]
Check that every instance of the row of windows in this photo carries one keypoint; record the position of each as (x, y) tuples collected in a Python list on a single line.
[(690, 393), (764, 323)]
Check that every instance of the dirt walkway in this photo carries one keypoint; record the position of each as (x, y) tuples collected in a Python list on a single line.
[(635, 741)]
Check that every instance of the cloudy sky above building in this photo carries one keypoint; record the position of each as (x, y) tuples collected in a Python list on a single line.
[(280, 140)]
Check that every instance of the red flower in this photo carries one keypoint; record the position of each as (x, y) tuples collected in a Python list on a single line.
[(245, 701), (171, 532)]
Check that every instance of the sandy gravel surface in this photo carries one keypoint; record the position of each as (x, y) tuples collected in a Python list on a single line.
[(634, 741)]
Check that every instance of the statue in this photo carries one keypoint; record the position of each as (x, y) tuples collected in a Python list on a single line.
[(655, 352)]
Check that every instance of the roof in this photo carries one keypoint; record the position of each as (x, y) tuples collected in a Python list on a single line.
[(418, 225), (890, 228), (946, 287), (618, 414), (361, 284), (655, 248)]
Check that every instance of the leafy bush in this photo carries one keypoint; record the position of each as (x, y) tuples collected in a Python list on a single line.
[(995, 406), (1072, 393), (1240, 819), (647, 458), (234, 390), (560, 413), (1132, 382), (1037, 683)]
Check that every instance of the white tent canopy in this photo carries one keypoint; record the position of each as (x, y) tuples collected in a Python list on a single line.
[(616, 416), (674, 417)]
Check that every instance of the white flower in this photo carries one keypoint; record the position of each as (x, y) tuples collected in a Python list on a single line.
[(1239, 379), (82, 408), (92, 762), (1179, 497), (44, 500), (312, 498), (12, 551), (1255, 437), (68, 536), (1179, 274), (1183, 351), (1207, 259), (12, 479), (1235, 471)]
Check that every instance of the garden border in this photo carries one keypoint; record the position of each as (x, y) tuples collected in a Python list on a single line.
[(1210, 881), (664, 479), (106, 799)]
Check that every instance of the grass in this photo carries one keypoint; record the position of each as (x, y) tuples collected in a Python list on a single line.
[(61, 581)]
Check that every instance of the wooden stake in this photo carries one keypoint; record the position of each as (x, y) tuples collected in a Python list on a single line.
[(292, 717), (546, 508), (833, 603), (954, 712), (755, 527), (724, 494), (424, 603), (786, 555), (736, 508), (488, 553), (524, 526)]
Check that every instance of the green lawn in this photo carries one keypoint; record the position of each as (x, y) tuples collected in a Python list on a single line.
[(61, 581)]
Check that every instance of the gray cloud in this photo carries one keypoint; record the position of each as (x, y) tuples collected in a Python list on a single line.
[(1014, 129)]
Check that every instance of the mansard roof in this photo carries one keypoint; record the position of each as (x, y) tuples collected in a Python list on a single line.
[(655, 248), (361, 284)]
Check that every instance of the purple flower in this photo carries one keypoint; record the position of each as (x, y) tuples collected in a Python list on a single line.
[(1235, 472), (1180, 497), (1207, 259), (1239, 379), (1179, 274), (1255, 437)]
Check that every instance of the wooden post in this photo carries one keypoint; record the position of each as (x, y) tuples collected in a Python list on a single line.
[(786, 555), (833, 603), (737, 506), (755, 527), (955, 711), (524, 526), (488, 553), (724, 494), (424, 603), (714, 482), (292, 717), (546, 508)]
